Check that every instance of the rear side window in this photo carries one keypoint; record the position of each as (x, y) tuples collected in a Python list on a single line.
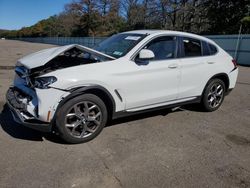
[(192, 47), (213, 49)]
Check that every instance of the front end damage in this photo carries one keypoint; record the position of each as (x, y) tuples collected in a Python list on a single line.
[(31, 99), (22, 108), (33, 107)]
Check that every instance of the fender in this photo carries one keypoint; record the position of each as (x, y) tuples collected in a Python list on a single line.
[(87, 89), (222, 76)]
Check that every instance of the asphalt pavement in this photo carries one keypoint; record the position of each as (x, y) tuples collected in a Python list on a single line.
[(184, 148)]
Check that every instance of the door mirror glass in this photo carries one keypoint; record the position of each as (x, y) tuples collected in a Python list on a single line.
[(146, 54)]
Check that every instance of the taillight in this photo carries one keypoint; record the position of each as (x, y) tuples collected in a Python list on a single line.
[(235, 63)]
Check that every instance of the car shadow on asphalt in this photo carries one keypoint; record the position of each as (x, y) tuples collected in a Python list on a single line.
[(162, 112), (19, 131)]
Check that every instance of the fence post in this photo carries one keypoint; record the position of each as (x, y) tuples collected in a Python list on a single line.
[(238, 44)]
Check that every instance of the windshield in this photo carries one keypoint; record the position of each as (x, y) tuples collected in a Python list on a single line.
[(119, 45)]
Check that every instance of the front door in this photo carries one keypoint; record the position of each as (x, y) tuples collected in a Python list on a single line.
[(156, 81)]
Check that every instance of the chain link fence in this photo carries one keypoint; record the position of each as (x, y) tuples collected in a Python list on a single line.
[(85, 41), (237, 46)]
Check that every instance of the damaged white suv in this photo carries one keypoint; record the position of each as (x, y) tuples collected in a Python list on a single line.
[(76, 90)]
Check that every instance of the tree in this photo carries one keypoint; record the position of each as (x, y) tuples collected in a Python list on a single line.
[(111, 21), (106, 17), (246, 24), (224, 15), (89, 18)]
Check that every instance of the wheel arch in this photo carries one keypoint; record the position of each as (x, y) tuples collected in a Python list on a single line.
[(97, 90), (222, 76)]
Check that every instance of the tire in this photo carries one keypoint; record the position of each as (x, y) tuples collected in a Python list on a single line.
[(81, 119), (213, 95)]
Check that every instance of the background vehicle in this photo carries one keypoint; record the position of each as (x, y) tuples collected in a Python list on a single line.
[(77, 89)]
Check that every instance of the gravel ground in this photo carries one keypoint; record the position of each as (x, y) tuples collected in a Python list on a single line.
[(184, 148)]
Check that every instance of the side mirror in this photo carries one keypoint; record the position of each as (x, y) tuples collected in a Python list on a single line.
[(146, 54)]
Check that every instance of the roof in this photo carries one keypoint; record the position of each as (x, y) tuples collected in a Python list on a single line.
[(146, 31), (157, 31)]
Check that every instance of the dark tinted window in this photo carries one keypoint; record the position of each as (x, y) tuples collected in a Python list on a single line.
[(192, 47), (213, 49), (163, 47), (205, 49)]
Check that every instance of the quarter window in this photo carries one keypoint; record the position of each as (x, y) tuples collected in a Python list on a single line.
[(213, 49), (192, 47), (163, 47), (206, 51)]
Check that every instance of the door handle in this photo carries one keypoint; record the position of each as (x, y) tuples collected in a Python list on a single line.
[(210, 62), (173, 66)]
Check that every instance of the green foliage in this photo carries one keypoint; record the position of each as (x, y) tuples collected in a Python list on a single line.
[(246, 20), (106, 17), (246, 24), (225, 15)]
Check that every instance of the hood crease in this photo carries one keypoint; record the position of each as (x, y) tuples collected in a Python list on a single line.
[(42, 57)]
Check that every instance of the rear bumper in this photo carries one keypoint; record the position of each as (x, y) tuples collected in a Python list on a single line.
[(20, 117), (233, 75)]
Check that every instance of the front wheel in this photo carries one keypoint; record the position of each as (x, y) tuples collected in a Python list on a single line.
[(81, 119), (213, 95)]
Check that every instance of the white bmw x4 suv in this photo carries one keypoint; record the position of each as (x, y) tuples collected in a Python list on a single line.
[(76, 90)]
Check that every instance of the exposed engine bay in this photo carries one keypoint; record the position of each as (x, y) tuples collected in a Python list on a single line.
[(30, 68), (70, 58), (52, 59)]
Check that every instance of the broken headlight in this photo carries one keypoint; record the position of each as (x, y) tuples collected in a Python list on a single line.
[(44, 82)]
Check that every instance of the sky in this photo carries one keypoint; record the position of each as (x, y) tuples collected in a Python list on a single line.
[(15, 14)]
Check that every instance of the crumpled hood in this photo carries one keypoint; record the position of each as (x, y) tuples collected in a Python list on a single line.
[(42, 57)]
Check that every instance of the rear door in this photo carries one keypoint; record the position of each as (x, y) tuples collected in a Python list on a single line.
[(196, 67)]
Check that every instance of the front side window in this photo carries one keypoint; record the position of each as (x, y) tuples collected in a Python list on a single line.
[(163, 47), (120, 44), (192, 47)]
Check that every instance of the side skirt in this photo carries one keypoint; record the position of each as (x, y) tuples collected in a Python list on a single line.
[(121, 114)]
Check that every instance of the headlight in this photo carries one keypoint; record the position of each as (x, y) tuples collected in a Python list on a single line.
[(44, 82)]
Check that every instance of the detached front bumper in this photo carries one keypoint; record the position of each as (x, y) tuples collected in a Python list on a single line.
[(21, 115)]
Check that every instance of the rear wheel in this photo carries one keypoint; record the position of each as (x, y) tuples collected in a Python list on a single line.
[(213, 95), (81, 119)]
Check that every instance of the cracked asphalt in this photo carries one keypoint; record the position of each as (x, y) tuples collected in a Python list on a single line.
[(184, 148)]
